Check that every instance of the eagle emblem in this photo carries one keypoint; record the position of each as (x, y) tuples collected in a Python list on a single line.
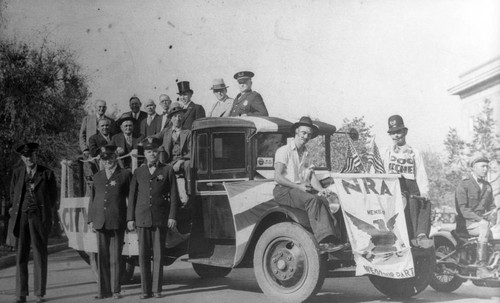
[(382, 235)]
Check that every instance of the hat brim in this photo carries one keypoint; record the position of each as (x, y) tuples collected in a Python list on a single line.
[(32, 147), (169, 115), (314, 128), (185, 91), (395, 129), (121, 120), (214, 88)]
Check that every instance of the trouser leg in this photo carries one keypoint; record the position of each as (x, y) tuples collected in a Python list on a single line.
[(103, 267), (159, 235), (115, 249), (39, 235), (322, 223), (22, 257), (144, 236), (187, 175)]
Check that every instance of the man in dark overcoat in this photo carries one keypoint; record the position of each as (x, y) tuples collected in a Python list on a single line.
[(152, 207), (107, 216), (193, 111), (33, 193)]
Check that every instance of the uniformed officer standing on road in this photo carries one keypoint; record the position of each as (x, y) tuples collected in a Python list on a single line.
[(247, 102), (107, 216), (153, 199), (33, 192)]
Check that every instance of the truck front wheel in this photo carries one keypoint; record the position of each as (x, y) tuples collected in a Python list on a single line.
[(287, 263)]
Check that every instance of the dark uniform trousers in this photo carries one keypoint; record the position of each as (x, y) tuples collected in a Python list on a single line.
[(322, 222), (151, 243), (109, 249), (417, 212), (31, 231)]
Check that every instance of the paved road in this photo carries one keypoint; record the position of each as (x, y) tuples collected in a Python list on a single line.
[(70, 280)]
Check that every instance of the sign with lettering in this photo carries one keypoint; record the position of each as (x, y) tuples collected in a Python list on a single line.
[(373, 210)]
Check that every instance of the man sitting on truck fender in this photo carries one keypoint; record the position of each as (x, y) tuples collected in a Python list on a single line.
[(293, 189)]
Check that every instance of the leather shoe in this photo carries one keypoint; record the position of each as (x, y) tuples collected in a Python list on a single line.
[(145, 296), (117, 296), (39, 299), (20, 299), (330, 247), (158, 295)]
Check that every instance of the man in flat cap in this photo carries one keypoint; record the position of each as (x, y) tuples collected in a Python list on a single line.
[(193, 111), (152, 208), (222, 107), (247, 102), (126, 141), (107, 214), (401, 158), (136, 113), (33, 193), (152, 124), (474, 198)]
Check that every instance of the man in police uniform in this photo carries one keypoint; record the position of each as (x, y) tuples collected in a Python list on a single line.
[(33, 193), (247, 102), (152, 207), (107, 215), (473, 198)]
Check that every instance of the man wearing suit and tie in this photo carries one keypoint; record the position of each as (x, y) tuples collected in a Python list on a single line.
[(165, 103), (107, 216), (33, 194), (193, 111), (152, 124), (103, 137), (90, 127), (224, 104), (126, 141), (136, 113), (175, 144), (152, 207), (247, 102)]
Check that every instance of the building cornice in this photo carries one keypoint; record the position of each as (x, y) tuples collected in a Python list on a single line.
[(481, 76)]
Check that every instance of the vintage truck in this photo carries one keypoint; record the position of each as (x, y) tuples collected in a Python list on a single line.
[(233, 222)]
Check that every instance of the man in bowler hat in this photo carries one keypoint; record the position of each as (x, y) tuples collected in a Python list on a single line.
[(33, 192), (107, 215), (247, 102), (193, 111), (152, 207)]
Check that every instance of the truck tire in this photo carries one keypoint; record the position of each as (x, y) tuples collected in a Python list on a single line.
[(208, 271), (407, 288), (440, 281), (287, 264)]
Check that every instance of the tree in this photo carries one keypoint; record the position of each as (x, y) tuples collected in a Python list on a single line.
[(42, 94)]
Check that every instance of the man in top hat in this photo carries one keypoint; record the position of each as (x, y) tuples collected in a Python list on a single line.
[(400, 158), (175, 143), (473, 198), (33, 194), (136, 113), (152, 207), (165, 103), (294, 186), (152, 124), (193, 111), (107, 214), (247, 102), (222, 107), (126, 141)]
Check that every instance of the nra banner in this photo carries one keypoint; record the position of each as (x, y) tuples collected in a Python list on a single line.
[(374, 214)]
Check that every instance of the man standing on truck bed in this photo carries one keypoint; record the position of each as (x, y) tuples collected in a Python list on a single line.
[(247, 102), (152, 207), (107, 217), (293, 188)]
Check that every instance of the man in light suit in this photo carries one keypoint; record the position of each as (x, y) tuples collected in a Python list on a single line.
[(193, 111), (107, 214), (33, 193), (152, 207), (165, 103), (126, 141), (136, 113), (222, 107), (152, 124)]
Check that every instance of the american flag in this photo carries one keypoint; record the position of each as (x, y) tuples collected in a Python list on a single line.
[(374, 159), (353, 162)]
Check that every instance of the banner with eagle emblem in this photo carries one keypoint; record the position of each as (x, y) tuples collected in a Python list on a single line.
[(375, 220)]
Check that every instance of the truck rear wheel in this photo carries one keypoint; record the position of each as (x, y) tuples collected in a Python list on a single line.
[(407, 288), (208, 271), (287, 263)]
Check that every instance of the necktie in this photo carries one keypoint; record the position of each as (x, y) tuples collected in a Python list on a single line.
[(175, 134), (129, 140), (149, 120)]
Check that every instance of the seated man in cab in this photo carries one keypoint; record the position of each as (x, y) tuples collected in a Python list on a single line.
[(293, 188)]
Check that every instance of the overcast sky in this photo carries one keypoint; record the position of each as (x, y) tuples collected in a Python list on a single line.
[(327, 59)]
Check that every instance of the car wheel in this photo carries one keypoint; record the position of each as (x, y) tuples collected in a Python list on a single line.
[(441, 279)]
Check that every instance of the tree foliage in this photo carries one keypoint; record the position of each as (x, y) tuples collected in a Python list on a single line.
[(42, 94)]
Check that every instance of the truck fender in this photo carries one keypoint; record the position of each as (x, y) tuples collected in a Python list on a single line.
[(444, 234)]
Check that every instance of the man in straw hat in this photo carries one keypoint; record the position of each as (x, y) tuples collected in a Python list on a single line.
[(222, 107), (293, 188), (152, 208), (247, 102), (400, 158), (33, 196), (107, 214), (474, 198)]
